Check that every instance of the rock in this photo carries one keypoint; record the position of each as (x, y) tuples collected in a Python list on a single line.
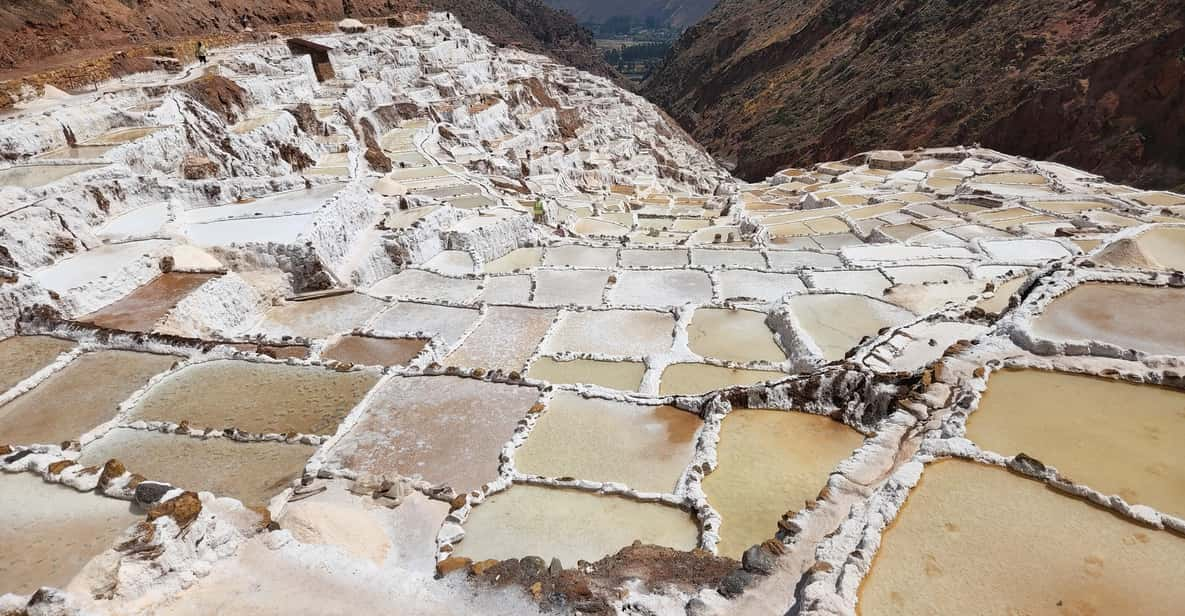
[(198, 168), (532, 566), (888, 160), (112, 470), (451, 564), (57, 467), (697, 607), (555, 568), (184, 509), (480, 568), (1026, 465), (735, 583), (351, 26), (148, 493), (758, 559)]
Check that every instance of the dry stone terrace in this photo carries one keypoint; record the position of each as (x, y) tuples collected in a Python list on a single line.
[(458, 327)]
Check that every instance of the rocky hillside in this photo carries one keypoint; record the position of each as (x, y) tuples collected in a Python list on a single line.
[(673, 13), (37, 34), (1098, 84)]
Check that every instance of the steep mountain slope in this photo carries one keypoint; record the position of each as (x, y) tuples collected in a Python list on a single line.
[(1098, 84), (34, 32), (674, 13)]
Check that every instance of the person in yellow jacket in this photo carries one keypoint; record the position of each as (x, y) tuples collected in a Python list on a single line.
[(201, 52)]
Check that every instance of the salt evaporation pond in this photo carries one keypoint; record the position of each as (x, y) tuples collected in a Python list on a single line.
[(622, 375), (769, 463), (448, 430), (36, 176), (504, 340), (142, 309), (644, 447), (1115, 437), (521, 258), (256, 397), (372, 351), (1127, 316), (319, 318), (736, 335), (249, 472), (837, 322), (79, 397), (687, 379), (22, 356), (51, 531), (976, 535), (570, 525), (613, 332)]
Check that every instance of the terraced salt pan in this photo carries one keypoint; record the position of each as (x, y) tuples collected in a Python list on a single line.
[(734, 335), (143, 308), (727, 258), (661, 288), (570, 525), (362, 526), (293, 202), (837, 322), (978, 535), (504, 340), (687, 379), (372, 351), (256, 397), (644, 447), (768, 463), (447, 323), (629, 333), (36, 176), (915, 347), (448, 430), (622, 375), (998, 303), (84, 394), (421, 284), (1128, 316), (249, 472), (1115, 437), (1160, 247), (1024, 250), (866, 282), (81, 152), (51, 531), (763, 286), (564, 287), (104, 260), (139, 222), (275, 229), (22, 356), (654, 258), (451, 262), (581, 256), (515, 289), (319, 318), (519, 258)]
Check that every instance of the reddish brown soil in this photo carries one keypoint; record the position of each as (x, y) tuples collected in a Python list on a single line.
[(76, 39), (1097, 84)]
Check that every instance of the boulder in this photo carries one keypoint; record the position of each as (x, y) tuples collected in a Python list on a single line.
[(198, 168)]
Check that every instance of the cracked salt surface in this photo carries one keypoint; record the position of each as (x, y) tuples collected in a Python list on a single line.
[(584, 307)]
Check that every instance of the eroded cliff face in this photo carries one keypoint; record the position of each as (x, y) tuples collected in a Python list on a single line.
[(39, 33), (1098, 85)]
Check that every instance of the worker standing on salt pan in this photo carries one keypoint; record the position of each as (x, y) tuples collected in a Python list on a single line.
[(201, 52)]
